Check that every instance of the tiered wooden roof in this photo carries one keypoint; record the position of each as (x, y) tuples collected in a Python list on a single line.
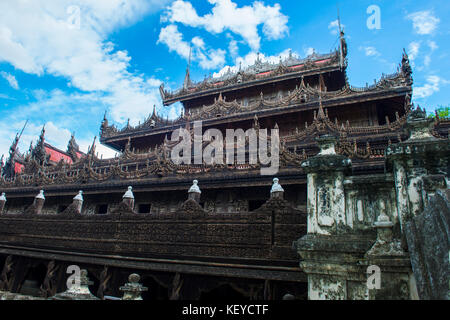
[(302, 98)]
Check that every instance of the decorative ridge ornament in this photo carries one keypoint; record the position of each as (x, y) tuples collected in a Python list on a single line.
[(3, 197)]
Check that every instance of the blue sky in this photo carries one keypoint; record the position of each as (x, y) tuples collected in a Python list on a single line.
[(64, 62)]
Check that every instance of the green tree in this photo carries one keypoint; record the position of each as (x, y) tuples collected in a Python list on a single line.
[(442, 112)]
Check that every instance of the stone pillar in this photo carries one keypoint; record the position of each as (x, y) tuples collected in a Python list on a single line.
[(39, 201), (326, 199), (2, 202), (128, 198), (195, 192), (133, 289), (388, 265), (277, 191), (329, 252), (419, 164), (78, 201)]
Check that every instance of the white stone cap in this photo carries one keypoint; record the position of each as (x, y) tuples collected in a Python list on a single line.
[(40, 195), (3, 197), (194, 187), (276, 187), (383, 221), (129, 194), (79, 196)]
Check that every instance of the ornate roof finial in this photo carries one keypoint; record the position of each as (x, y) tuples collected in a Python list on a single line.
[(42, 132), (187, 77), (342, 42), (406, 67), (91, 149), (321, 113)]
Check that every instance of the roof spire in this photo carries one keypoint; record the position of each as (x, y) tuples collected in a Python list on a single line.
[(342, 42), (321, 113), (187, 78)]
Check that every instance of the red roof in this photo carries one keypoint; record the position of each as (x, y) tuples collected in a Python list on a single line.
[(18, 167), (57, 155)]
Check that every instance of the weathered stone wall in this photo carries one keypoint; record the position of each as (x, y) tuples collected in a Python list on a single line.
[(356, 224)]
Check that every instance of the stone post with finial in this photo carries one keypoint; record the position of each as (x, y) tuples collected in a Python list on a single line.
[(195, 192), (128, 198), (277, 191), (39, 201), (78, 289), (2, 202), (133, 289), (78, 201), (388, 263)]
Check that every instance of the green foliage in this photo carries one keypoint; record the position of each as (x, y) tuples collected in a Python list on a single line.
[(443, 113)]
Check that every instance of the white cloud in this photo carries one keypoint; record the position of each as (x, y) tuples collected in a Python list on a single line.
[(309, 51), (370, 51), (198, 42), (432, 85), (11, 79), (152, 82), (226, 15), (413, 50), (208, 59), (212, 59), (333, 26), (250, 59), (174, 40), (6, 97), (37, 38), (233, 48), (424, 22), (59, 137), (427, 60), (433, 47)]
